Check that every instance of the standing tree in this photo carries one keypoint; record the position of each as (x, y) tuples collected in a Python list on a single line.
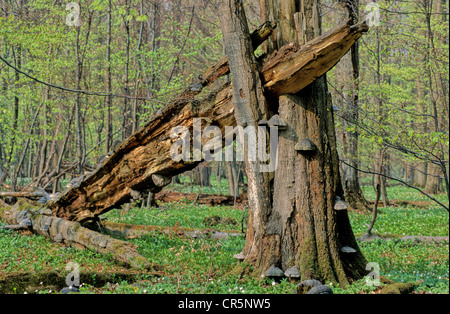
[(297, 223), (347, 88)]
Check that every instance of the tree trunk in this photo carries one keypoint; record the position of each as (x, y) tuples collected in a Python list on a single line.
[(126, 112), (434, 180), (143, 162), (348, 84), (232, 176), (108, 139), (297, 224), (79, 139)]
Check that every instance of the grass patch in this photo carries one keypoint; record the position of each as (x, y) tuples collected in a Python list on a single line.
[(203, 265), (185, 214), (404, 221)]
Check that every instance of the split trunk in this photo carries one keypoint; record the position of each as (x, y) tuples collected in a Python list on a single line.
[(292, 219)]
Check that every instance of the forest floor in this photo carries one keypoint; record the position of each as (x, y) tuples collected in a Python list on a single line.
[(187, 265)]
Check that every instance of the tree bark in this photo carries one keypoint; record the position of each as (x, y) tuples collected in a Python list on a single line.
[(146, 154), (250, 107), (108, 139), (348, 85), (434, 180)]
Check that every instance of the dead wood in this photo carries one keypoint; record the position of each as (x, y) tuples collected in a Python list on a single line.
[(14, 227), (209, 199), (133, 231), (290, 69), (23, 194), (41, 221)]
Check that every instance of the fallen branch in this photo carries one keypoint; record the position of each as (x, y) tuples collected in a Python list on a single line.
[(14, 227), (133, 231), (23, 194), (208, 199)]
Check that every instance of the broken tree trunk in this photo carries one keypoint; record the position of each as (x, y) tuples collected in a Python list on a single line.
[(143, 161), (250, 106), (298, 225), (41, 221)]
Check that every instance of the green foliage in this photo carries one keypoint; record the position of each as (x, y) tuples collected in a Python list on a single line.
[(47, 50), (204, 265)]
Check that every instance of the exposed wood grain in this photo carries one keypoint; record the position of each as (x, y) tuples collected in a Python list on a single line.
[(291, 69)]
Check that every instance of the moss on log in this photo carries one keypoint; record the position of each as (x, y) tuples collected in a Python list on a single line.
[(400, 288)]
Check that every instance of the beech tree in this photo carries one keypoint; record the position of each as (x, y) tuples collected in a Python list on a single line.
[(294, 219)]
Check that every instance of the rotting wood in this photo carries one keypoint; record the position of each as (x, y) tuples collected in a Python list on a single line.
[(147, 152), (209, 199), (73, 233), (291, 69), (14, 227)]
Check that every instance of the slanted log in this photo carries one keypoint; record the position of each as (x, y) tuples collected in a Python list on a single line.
[(147, 152), (73, 233)]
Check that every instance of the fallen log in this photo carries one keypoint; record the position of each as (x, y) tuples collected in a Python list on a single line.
[(209, 199), (145, 156), (41, 221), (133, 231), (291, 69)]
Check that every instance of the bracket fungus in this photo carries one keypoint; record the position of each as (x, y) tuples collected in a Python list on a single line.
[(340, 205), (347, 249), (276, 121), (292, 273), (305, 145), (240, 256), (274, 273)]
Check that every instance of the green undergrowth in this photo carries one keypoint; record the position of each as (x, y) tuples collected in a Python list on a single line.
[(203, 265), (186, 214)]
